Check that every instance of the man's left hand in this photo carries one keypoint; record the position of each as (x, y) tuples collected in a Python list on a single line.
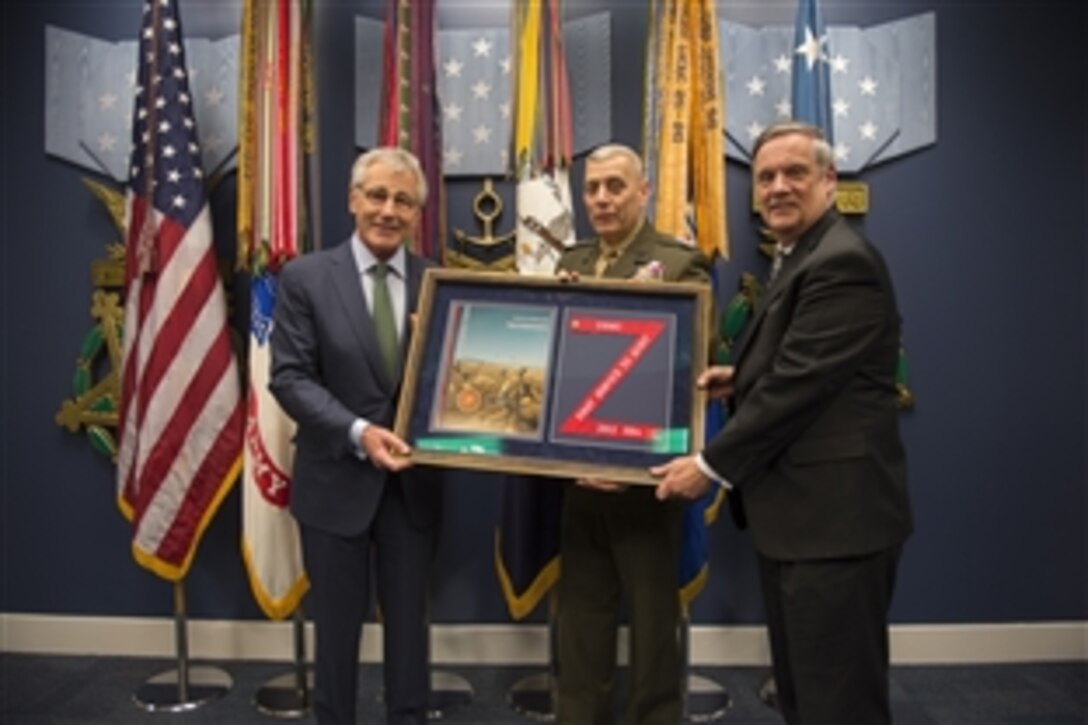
[(680, 478)]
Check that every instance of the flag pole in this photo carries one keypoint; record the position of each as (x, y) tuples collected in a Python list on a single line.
[(184, 688), (704, 699), (302, 679), (288, 695), (181, 637)]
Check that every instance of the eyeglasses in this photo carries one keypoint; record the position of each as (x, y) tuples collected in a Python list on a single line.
[(379, 196)]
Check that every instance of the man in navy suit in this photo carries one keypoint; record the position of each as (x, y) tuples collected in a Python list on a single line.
[(812, 447), (356, 500)]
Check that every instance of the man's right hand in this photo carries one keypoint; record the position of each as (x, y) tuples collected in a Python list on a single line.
[(717, 380), (598, 484), (385, 449), (680, 478)]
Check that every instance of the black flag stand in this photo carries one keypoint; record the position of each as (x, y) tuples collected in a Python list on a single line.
[(448, 691), (185, 688), (534, 696), (287, 696), (704, 699)]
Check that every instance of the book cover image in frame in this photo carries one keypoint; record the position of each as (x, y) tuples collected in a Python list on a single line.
[(533, 375), (493, 378)]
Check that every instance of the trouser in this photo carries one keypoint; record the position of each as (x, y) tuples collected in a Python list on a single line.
[(339, 598), (828, 627), (616, 546)]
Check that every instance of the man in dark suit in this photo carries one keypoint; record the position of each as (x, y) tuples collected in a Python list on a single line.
[(618, 542), (812, 447), (340, 331)]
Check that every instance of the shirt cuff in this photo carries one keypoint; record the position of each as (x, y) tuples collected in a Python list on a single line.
[(356, 435), (711, 473)]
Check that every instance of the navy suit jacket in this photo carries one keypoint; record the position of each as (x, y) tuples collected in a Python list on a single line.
[(327, 371), (813, 444)]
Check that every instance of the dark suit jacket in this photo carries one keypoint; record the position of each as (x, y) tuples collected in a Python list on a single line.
[(813, 444), (327, 371)]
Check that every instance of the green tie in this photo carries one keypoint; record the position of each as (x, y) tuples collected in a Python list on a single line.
[(381, 312)]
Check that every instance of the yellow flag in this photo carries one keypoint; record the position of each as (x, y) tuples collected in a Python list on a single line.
[(707, 126), (688, 161)]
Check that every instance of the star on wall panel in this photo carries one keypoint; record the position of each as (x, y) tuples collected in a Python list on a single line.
[(90, 86), (752, 59), (915, 40), (883, 94), (213, 78), (88, 101), (475, 81), (474, 85)]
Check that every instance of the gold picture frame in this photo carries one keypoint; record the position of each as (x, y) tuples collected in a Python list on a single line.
[(534, 375)]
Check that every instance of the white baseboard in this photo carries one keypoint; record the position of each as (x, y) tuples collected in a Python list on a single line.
[(512, 644)]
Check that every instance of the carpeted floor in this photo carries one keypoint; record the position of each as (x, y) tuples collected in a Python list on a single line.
[(35, 690)]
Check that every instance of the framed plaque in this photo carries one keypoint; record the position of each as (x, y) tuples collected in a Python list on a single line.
[(593, 379)]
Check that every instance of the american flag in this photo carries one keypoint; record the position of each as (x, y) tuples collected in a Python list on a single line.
[(181, 416)]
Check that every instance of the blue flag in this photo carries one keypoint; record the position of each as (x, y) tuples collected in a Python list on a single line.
[(810, 94), (694, 564), (527, 541)]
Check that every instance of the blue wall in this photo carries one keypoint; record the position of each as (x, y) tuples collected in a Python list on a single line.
[(985, 234)]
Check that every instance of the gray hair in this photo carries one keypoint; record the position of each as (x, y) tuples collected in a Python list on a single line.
[(395, 158), (821, 149), (610, 150)]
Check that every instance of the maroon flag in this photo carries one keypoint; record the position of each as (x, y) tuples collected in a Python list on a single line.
[(408, 114), (181, 410)]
